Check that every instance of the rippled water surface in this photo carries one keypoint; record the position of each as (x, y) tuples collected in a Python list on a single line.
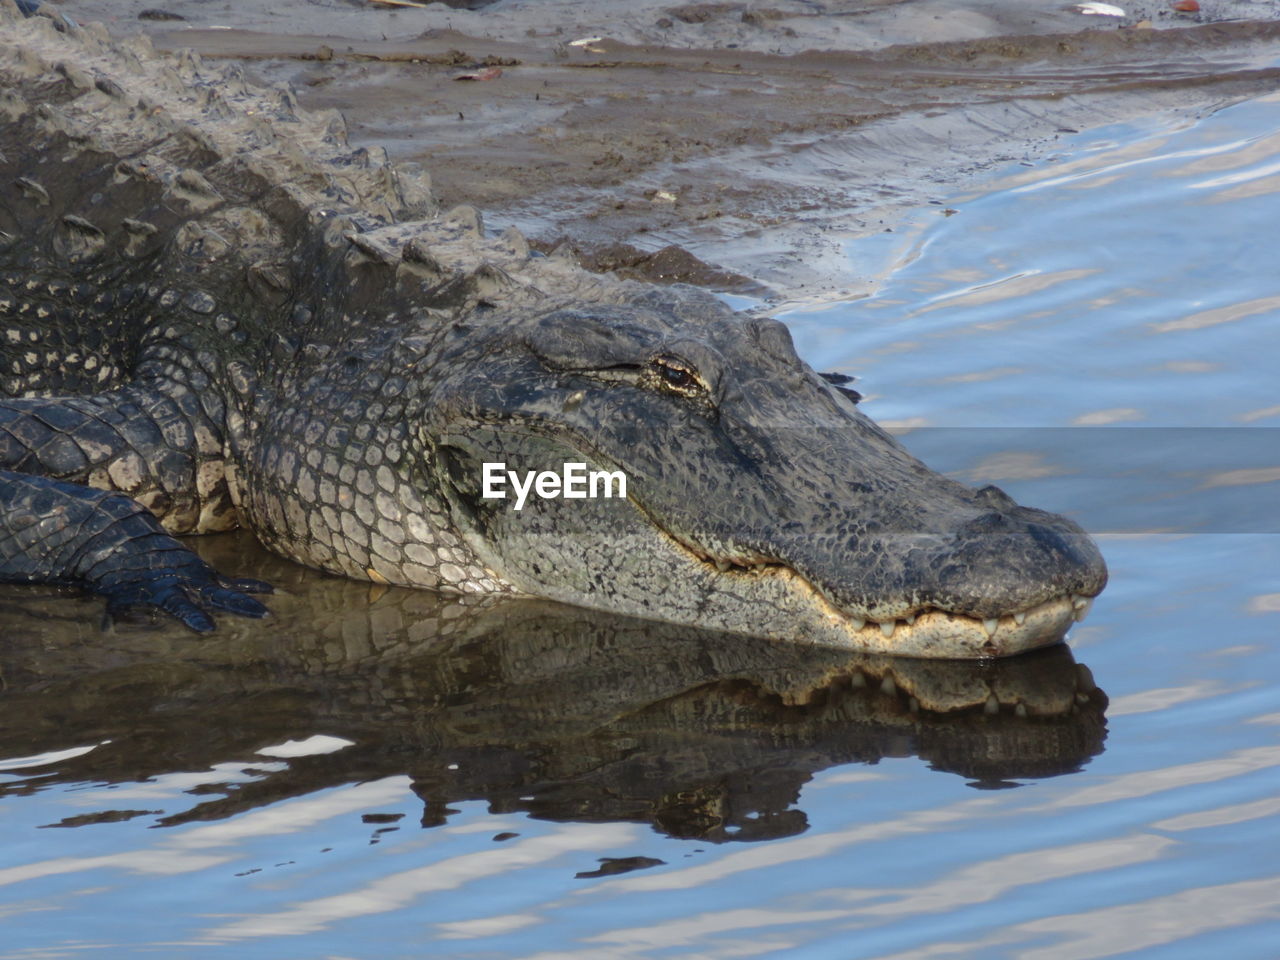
[(384, 774)]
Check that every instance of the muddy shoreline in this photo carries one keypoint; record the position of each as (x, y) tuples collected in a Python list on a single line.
[(739, 146)]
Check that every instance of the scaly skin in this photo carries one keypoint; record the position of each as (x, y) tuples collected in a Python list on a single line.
[(211, 305)]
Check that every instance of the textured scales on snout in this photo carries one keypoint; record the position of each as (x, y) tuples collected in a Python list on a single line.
[(215, 312)]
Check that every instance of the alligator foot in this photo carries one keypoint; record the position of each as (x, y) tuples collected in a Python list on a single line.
[(57, 532), (187, 593)]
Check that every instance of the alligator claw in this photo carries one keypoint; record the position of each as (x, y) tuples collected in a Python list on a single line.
[(232, 601), (187, 594), (180, 608), (162, 593)]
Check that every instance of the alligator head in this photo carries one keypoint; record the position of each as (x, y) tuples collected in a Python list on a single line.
[(759, 498)]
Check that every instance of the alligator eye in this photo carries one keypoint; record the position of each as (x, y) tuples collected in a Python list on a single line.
[(677, 377), (676, 374)]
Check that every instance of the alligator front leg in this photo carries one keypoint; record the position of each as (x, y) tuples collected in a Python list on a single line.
[(158, 455), (56, 532)]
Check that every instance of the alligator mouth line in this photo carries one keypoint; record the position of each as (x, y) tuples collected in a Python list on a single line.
[(928, 631)]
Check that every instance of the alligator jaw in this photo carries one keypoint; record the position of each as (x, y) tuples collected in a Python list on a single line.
[(930, 632), (938, 632), (922, 632)]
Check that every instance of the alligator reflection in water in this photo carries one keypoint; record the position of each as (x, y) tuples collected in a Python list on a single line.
[(563, 713)]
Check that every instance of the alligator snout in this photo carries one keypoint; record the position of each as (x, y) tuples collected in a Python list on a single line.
[(1025, 556)]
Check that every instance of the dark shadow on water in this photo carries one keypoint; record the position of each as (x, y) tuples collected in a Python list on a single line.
[(564, 714)]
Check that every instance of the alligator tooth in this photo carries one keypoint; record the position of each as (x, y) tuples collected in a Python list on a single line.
[(887, 627), (887, 686), (1020, 709), (857, 680), (909, 619), (722, 566), (992, 706), (1020, 618), (913, 705), (990, 625), (857, 623), (1082, 610), (1079, 601)]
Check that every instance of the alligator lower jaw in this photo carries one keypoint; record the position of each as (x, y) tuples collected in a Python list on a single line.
[(939, 633), (931, 633)]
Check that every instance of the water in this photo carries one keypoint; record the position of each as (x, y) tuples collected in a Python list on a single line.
[(385, 774)]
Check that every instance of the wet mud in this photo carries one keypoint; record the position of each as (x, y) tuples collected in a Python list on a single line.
[(756, 139)]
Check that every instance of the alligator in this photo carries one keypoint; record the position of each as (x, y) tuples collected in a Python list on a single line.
[(215, 312)]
